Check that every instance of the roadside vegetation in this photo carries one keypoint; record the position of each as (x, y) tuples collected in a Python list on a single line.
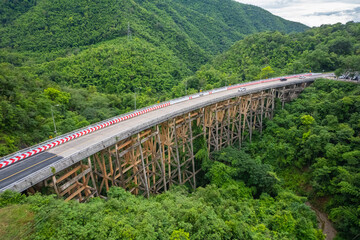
[(99, 82), (314, 143), (226, 208), (310, 148), (268, 54), (82, 62)]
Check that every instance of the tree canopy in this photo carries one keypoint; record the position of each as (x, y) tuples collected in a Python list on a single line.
[(314, 144), (97, 53), (326, 48)]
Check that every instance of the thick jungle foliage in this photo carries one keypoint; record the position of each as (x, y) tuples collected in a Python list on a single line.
[(211, 25), (214, 212), (98, 53), (83, 60), (268, 54), (231, 164), (315, 144)]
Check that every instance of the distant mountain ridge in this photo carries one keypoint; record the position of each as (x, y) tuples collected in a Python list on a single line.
[(221, 22), (213, 25), (89, 57)]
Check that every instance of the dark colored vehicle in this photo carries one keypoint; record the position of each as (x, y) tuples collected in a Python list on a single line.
[(283, 79)]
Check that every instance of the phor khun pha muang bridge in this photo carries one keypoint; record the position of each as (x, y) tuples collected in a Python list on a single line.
[(147, 151)]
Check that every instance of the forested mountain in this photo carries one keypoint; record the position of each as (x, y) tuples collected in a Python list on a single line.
[(211, 24), (267, 54), (314, 143), (215, 25), (83, 60), (311, 147)]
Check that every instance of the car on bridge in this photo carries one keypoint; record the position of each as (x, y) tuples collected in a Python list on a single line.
[(283, 79), (302, 77), (242, 89)]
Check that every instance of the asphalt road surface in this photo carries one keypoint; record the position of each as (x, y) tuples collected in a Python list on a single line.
[(22, 169)]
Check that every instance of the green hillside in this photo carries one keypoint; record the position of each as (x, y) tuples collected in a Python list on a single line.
[(314, 145), (79, 62), (89, 57), (52, 25), (215, 25), (267, 54), (192, 31)]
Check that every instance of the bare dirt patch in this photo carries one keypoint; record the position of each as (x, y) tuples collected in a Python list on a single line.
[(324, 223)]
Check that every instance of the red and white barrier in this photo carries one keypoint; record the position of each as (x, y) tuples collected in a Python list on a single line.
[(91, 129), (78, 134)]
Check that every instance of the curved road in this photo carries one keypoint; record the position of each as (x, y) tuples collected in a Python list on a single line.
[(26, 173)]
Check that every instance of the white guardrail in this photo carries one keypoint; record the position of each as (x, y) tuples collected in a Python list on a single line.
[(27, 152)]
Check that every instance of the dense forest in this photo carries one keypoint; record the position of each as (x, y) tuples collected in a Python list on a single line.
[(99, 81), (212, 212), (263, 55), (211, 25), (310, 148), (315, 144), (84, 60)]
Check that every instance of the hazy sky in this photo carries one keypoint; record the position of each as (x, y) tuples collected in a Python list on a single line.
[(312, 12)]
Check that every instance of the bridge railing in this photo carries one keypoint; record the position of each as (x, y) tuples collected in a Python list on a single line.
[(243, 84), (27, 152)]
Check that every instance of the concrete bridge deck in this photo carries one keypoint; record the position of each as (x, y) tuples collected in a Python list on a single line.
[(26, 173)]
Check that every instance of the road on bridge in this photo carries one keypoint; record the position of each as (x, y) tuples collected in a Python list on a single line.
[(25, 173)]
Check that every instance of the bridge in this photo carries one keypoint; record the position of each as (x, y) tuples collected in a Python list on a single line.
[(148, 150)]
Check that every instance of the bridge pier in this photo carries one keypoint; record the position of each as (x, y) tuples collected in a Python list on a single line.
[(289, 93), (178, 135), (74, 182), (135, 164), (236, 119), (151, 161)]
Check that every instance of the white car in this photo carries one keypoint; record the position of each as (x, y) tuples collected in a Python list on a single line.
[(302, 77), (242, 89)]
